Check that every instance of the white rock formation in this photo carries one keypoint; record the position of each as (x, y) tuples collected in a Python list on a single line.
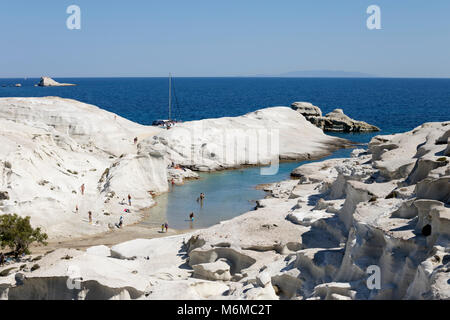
[(335, 121), (307, 109), (51, 146), (260, 137), (49, 82), (320, 237)]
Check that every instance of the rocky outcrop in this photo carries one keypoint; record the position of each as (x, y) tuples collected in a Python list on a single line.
[(218, 270), (335, 121), (307, 109), (52, 146), (49, 82), (372, 226), (258, 138)]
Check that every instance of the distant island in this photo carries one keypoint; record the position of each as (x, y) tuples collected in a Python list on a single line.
[(319, 74)]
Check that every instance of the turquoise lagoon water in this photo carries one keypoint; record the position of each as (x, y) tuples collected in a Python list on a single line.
[(228, 194)]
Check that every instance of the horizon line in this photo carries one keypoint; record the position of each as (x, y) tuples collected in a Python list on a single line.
[(254, 76)]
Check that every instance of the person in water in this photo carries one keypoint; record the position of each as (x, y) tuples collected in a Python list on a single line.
[(166, 225), (201, 198), (191, 216), (162, 227)]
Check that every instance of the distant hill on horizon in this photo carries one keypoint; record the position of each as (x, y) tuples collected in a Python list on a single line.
[(319, 74)]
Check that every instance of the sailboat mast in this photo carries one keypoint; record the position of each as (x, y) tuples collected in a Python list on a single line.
[(170, 96)]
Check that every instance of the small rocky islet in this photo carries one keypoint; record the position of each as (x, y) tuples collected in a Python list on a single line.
[(335, 121)]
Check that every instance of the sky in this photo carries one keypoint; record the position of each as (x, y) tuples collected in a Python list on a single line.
[(223, 38)]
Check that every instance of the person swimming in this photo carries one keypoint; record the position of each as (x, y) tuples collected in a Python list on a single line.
[(191, 216)]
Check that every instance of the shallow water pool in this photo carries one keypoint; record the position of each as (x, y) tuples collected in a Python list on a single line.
[(227, 194)]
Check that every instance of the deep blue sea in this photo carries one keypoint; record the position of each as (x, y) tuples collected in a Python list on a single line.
[(394, 105)]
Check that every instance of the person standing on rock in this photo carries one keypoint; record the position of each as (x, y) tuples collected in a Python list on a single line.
[(129, 200), (76, 209), (120, 222), (2, 259), (90, 216), (82, 189), (135, 140)]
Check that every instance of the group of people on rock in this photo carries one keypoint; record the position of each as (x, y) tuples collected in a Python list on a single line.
[(120, 223), (164, 226)]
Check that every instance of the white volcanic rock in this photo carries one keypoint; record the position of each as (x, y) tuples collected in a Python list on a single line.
[(316, 171), (102, 251), (218, 270), (335, 121), (49, 82), (386, 210), (307, 109), (395, 155), (179, 175), (259, 137), (51, 146)]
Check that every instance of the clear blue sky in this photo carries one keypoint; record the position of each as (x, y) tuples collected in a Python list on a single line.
[(223, 38)]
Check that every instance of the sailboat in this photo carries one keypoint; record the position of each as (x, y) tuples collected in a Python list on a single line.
[(169, 122)]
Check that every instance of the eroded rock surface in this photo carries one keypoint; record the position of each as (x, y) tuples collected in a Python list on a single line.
[(321, 236), (335, 121)]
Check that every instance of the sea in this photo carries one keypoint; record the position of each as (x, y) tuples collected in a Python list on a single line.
[(393, 104)]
